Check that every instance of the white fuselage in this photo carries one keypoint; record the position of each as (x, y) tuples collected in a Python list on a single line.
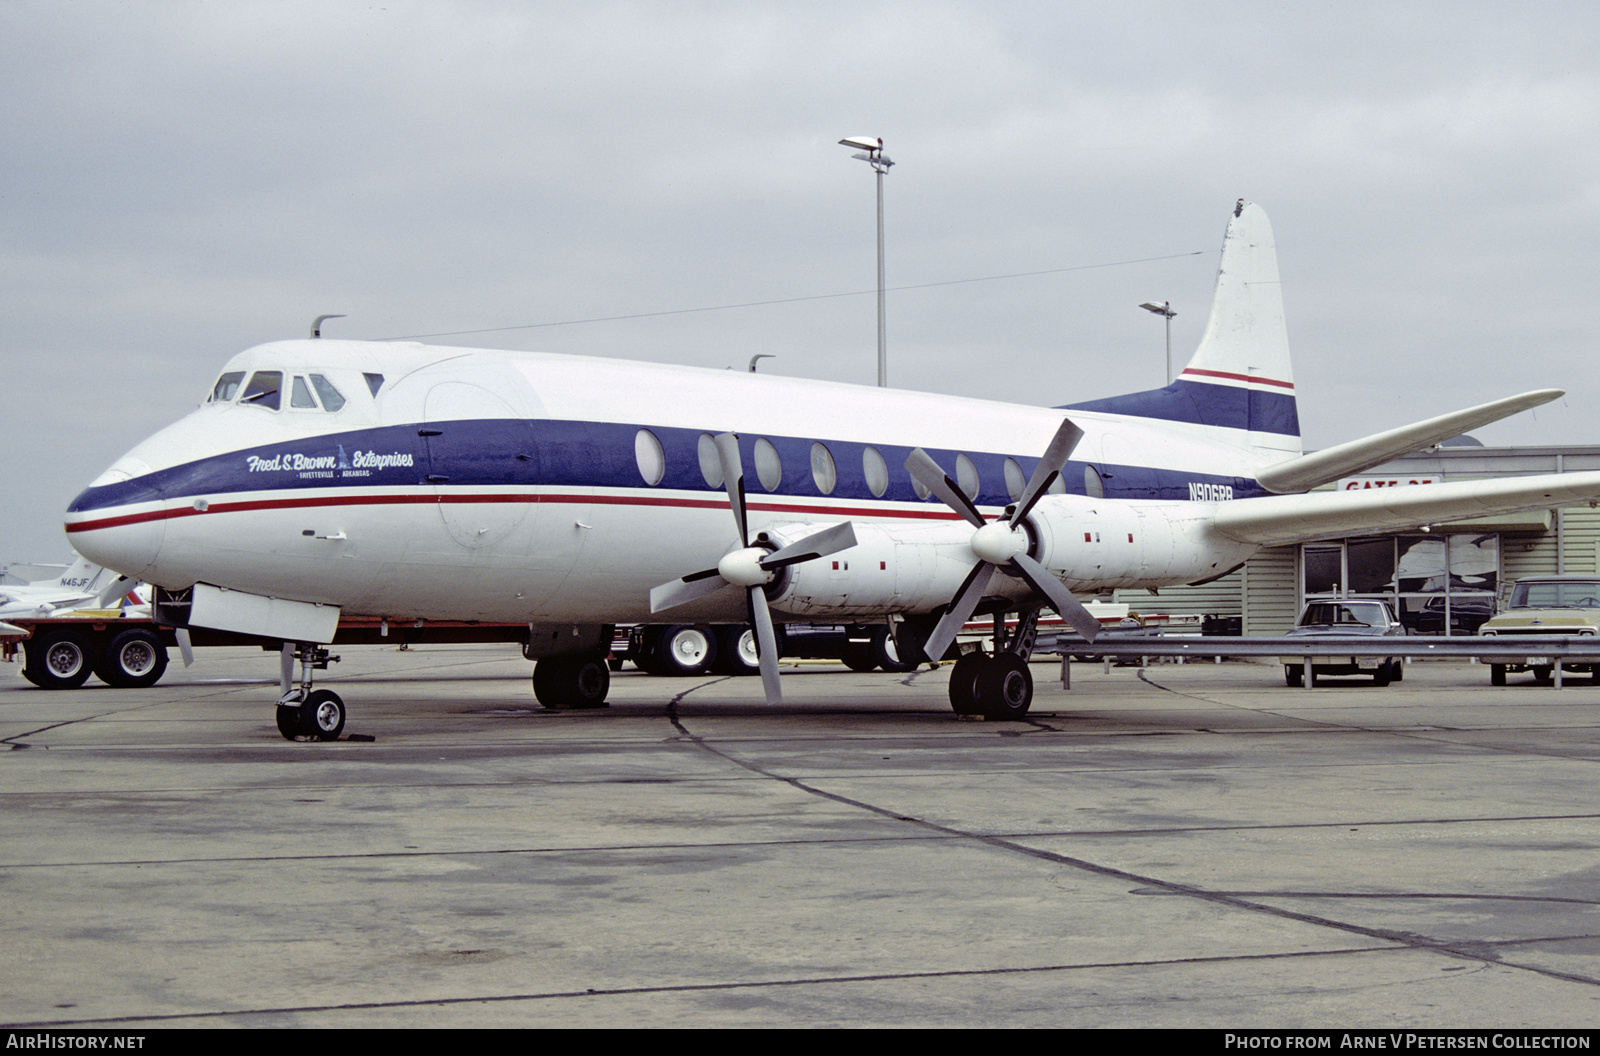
[(470, 484)]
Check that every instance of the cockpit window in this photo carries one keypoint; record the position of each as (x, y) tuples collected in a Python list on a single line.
[(264, 389), (227, 387), (374, 382), (330, 396), (300, 395)]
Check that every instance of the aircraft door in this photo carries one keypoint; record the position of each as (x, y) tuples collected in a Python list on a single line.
[(480, 461)]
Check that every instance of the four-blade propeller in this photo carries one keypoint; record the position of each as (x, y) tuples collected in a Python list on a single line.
[(1002, 544), (750, 567)]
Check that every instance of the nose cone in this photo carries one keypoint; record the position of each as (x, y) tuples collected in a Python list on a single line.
[(118, 521)]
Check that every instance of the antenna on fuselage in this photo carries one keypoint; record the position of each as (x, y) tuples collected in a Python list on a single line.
[(316, 324), (762, 355)]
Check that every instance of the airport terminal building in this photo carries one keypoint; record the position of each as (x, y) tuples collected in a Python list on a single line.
[(1444, 580)]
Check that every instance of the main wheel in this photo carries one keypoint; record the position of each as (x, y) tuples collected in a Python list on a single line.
[(571, 683), (1380, 677), (132, 660), (886, 653), (1497, 674), (58, 660), (322, 716), (1005, 687), (964, 683), (686, 650), (857, 656), (1397, 670)]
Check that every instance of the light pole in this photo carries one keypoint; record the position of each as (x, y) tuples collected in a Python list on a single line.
[(1164, 309), (873, 155)]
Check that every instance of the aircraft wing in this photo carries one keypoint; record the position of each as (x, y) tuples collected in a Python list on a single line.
[(1274, 520), (1341, 460)]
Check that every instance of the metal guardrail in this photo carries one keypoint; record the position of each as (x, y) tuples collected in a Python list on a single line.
[(1533, 650)]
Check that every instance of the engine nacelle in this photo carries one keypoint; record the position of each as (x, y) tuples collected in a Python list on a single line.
[(893, 568), (1098, 543), (1088, 543)]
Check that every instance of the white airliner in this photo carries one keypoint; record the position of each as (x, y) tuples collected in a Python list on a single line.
[(398, 479), (83, 585)]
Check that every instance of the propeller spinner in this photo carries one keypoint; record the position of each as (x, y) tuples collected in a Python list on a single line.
[(750, 567), (1002, 544)]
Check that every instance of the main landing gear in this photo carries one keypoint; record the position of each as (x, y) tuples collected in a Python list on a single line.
[(997, 686), (303, 712), (571, 683)]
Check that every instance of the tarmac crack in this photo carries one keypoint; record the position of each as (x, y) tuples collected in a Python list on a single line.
[(1464, 949)]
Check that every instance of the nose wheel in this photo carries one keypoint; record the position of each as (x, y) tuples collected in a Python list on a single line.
[(315, 714)]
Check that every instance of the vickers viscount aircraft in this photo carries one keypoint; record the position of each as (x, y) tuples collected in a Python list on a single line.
[(323, 477)]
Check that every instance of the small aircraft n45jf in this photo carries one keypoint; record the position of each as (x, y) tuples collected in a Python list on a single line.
[(574, 493)]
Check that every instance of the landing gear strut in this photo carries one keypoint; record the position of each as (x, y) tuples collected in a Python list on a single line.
[(302, 711), (999, 686)]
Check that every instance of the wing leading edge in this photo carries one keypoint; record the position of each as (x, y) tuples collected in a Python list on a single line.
[(1276, 520)]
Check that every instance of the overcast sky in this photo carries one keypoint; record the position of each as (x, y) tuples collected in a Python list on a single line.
[(184, 180)]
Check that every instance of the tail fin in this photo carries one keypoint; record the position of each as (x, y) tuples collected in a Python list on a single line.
[(1239, 380)]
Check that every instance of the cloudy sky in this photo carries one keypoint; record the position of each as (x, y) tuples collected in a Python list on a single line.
[(184, 180)]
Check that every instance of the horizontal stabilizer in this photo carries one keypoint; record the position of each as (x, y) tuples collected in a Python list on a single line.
[(1275, 520), (1341, 460)]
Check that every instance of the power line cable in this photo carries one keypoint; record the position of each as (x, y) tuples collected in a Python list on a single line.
[(788, 300)]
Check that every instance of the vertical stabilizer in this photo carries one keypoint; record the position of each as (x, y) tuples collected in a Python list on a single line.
[(1239, 380)]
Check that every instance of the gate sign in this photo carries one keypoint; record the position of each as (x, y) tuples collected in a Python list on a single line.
[(1364, 483)]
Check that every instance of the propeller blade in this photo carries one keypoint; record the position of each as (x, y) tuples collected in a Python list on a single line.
[(733, 480), (960, 610), (766, 644), (925, 471), (1061, 599), (817, 544), (693, 587), (1048, 469)]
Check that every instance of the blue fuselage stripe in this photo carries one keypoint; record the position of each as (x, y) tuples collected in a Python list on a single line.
[(1227, 406), (557, 453)]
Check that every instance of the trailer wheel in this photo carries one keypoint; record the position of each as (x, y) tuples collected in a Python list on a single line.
[(132, 660), (59, 660)]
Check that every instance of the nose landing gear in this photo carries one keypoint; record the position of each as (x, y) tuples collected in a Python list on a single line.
[(303, 712)]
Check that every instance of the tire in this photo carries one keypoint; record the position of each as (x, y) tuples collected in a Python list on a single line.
[(736, 651), (59, 660), (1294, 676), (1544, 674), (1380, 677), (1497, 674), (1397, 670), (289, 721), (964, 683), (322, 716), (886, 654), (614, 663), (857, 656), (1005, 688), (684, 650), (571, 683), (132, 660)]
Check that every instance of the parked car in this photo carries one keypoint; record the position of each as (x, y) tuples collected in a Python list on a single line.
[(1342, 619), (1468, 612), (1546, 605)]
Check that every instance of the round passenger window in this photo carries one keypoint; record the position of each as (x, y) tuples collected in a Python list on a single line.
[(652, 460), (710, 461), (769, 467), (1016, 480), (967, 477), (823, 471), (876, 471)]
